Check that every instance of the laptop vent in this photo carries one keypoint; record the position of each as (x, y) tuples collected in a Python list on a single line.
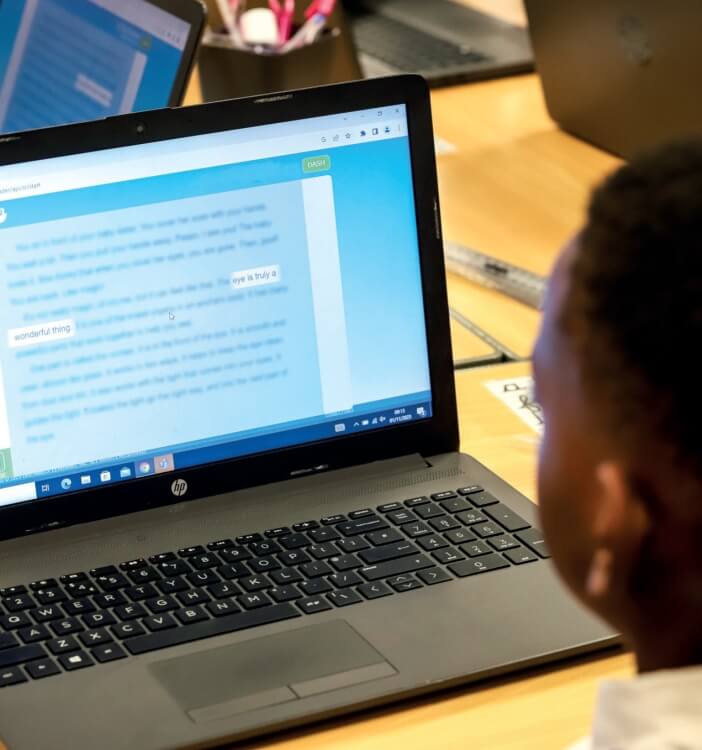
[(407, 480)]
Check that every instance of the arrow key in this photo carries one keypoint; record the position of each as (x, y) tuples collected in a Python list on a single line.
[(434, 575), (374, 590)]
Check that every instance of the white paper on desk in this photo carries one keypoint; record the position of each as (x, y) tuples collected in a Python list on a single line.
[(518, 395)]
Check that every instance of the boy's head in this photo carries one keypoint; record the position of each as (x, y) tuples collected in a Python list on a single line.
[(617, 373)]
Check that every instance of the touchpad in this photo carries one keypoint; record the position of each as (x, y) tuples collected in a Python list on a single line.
[(261, 672)]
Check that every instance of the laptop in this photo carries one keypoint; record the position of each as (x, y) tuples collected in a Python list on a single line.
[(620, 75), (232, 498), (67, 61), (445, 41)]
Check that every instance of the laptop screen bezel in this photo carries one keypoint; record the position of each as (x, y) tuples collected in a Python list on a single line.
[(435, 435)]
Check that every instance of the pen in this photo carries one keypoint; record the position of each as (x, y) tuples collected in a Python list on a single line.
[(317, 15), (228, 10), (286, 20)]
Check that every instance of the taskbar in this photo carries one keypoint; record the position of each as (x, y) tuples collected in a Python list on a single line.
[(91, 478)]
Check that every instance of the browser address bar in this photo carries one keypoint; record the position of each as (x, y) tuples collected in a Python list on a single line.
[(111, 171)]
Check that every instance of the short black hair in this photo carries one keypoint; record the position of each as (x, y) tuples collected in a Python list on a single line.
[(634, 305)]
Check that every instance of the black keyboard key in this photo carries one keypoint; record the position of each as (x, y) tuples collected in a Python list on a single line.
[(413, 502), (163, 557), (193, 597), (130, 612), (313, 604), (396, 567), (285, 594), (164, 621), (13, 591), (107, 601), (344, 580), (202, 578), (220, 544), (45, 614), (10, 657), (18, 603), (404, 583), (7, 640), (447, 495), (293, 557), (233, 571), (400, 517), (416, 529), (222, 608), (139, 593), (503, 542), (125, 630), (133, 564), (255, 583), (143, 575), (79, 589), (278, 532), (315, 586), (211, 628), (448, 555), (389, 507), (482, 499), (294, 541), (79, 607), (172, 585), (388, 552), (506, 517), (354, 544), (534, 539), (321, 551), (99, 619), (456, 505), (344, 598), (286, 576), (109, 653), (469, 517), (192, 551), (305, 526), (50, 596), (74, 578), (433, 576), (444, 523), (460, 536), (80, 660), (385, 536), (474, 488), (95, 638), (15, 621), (362, 526), (61, 645), (326, 534), (361, 513), (375, 590), (37, 670), (248, 538), (265, 548), (433, 542), (46, 583), (264, 564), (172, 568), (521, 555), (475, 549), (11, 676), (316, 569), (191, 614), (479, 565), (331, 520), (34, 633), (162, 604), (223, 590), (485, 530), (112, 582), (253, 601), (345, 562)]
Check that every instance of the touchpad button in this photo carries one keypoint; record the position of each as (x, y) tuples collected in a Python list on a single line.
[(274, 669)]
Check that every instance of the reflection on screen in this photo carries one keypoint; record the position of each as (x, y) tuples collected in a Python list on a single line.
[(74, 60), (260, 290)]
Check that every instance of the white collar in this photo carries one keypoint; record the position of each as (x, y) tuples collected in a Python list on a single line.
[(654, 711)]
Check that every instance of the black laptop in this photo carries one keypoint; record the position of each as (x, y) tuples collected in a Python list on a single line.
[(231, 495)]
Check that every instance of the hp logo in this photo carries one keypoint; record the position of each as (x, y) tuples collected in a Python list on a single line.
[(179, 487)]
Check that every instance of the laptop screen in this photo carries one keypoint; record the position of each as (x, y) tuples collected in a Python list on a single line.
[(173, 304), (67, 61)]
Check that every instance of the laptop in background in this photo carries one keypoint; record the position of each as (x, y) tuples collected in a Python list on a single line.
[(231, 497), (444, 41), (621, 75), (65, 61)]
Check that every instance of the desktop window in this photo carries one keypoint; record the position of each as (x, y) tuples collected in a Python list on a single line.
[(172, 304), (67, 61)]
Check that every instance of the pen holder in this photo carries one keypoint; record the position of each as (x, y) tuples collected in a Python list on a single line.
[(228, 72)]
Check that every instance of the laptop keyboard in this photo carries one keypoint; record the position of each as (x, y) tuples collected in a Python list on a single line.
[(83, 619), (408, 49)]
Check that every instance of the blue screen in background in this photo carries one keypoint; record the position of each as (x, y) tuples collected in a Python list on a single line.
[(67, 61), (257, 292)]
